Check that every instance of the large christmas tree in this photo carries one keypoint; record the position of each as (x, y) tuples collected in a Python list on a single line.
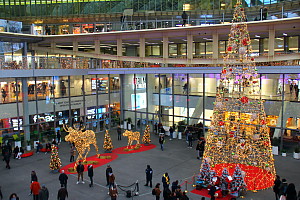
[(238, 133), (107, 145), (55, 162), (146, 136)]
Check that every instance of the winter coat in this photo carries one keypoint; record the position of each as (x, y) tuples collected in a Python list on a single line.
[(44, 194), (80, 168), (149, 173), (111, 178), (108, 171), (90, 171), (35, 187), (63, 178), (34, 178), (62, 194)]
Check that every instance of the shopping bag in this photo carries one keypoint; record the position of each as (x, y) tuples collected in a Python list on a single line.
[(282, 197)]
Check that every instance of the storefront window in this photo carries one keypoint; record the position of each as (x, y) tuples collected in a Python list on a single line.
[(271, 86), (293, 44), (255, 47), (265, 43), (173, 50), (76, 86), (279, 45)]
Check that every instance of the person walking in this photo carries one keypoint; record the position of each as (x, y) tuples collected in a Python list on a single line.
[(212, 192), (44, 193), (62, 193), (6, 157), (190, 139), (63, 179), (174, 186), (291, 193), (119, 131), (107, 172), (276, 186), (165, 180), (58, 136), (167, 194), (149, 173), (283, 187), (111, 180), (157, 191), (72, 153), (200, 147), (184, 17), (161, 141), (35, 188), (171, 130), (80, 170), (33, 178), (91, 174), (113, 192)]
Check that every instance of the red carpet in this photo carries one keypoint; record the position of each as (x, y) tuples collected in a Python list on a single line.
[(99, 161), (204, 193), (141, 149), (256, 178)]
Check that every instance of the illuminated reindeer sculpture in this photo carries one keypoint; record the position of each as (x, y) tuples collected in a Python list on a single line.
[(82, 141), (131, 137)]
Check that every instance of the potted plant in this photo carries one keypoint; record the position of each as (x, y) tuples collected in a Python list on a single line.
[(17, 140), (275, 144), (28, 147), (297, 153), (283, 152)]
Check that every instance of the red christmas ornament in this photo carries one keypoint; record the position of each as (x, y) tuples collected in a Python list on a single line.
[(229, 48), (230, 69), (245, 41), (224, 71), (254, 81), (221, 123), (244, 99), (262, 122), (243, 144), (226, 99), (252, 59)]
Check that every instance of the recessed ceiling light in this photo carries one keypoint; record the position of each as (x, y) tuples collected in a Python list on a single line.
[(257, 36), (284, 34)]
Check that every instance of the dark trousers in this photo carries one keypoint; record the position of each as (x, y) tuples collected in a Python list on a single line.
[(190, 143), (277, 196), (80, 174), (91, 179), (35, 197), (157, 197), (119, 137), (72, 158), (147, 181), (107, 178), (212, 197), (7, 164)]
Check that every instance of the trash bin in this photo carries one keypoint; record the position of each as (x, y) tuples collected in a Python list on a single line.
[(179, 135)]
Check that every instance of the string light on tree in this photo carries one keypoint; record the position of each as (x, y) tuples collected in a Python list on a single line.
[(55, 162), (238, 133), (146, 136), (107, 145)]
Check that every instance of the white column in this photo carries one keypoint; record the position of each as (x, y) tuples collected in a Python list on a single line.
[(119, 47), (215, 46), (271, 41), (142, 47), (97, 46), (189, 38), (165, 47)]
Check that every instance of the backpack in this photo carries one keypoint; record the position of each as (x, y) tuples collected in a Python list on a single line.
[(153, 191)]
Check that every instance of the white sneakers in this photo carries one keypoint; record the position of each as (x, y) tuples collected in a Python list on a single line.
[(80, 182)]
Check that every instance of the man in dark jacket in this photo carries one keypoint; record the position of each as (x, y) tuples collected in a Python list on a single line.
[(149, 173), (44, 193), (165, 180), (119, 131), (80, 170), (108, 171), (184, 17), (91, 174), (63, 179), (62, 193)]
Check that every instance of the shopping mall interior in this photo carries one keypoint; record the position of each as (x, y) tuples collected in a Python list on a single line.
[(110, 63)]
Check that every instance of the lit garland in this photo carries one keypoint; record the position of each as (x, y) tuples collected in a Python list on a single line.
[(82, 141), (107, 145), (146, 136), (238, 133), (55, 162)]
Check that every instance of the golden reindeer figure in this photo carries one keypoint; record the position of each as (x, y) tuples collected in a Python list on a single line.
[(82, 141), (131, 137)]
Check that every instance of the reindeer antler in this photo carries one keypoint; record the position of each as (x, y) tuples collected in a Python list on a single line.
[(66, 129)]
